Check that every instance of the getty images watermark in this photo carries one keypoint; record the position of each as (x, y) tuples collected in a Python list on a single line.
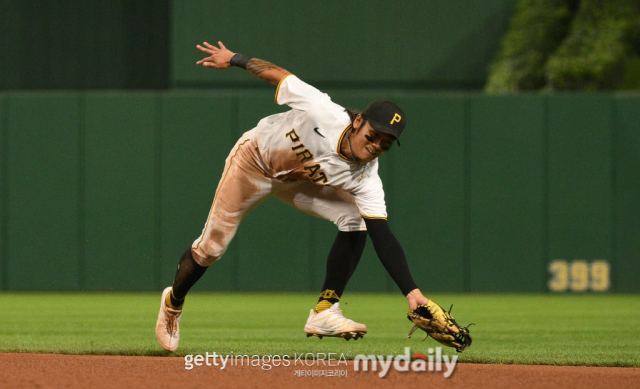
[(434, 361)]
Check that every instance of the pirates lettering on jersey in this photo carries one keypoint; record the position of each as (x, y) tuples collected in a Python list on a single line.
[(314, 171)]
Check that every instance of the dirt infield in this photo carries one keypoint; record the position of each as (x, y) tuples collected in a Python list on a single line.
[(95, 371)]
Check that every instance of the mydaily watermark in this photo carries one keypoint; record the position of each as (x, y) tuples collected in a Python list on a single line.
[(335, 364), (431, 362)]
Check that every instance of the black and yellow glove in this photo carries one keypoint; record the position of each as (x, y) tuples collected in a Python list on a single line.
[(440, 325)]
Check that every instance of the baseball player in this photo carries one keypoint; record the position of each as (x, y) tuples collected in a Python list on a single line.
[(317, 157)]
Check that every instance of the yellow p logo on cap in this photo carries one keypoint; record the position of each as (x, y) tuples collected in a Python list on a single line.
[(396, 119)]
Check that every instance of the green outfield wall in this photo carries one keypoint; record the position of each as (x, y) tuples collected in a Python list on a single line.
[(413, 44), (150, 44), (526, 193)]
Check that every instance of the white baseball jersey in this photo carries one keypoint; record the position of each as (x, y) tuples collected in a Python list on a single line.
[(303, 144)]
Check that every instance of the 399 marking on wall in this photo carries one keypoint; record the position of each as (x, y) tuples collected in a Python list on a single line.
[(579, 275)]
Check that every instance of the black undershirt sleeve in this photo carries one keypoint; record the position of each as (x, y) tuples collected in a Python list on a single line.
[(390, 253)]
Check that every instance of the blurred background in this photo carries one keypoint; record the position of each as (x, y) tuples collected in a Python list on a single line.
[(519, 170)]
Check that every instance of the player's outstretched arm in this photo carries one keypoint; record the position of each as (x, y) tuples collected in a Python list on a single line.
[(394, 261), (221, 58)]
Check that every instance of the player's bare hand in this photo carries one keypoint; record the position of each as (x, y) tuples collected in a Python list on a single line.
[(219, 58), (415, 298)]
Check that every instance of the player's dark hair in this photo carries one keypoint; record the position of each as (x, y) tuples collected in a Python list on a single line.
[(353, 113)]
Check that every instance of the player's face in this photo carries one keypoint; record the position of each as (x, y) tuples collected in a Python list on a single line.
[(368, 144)]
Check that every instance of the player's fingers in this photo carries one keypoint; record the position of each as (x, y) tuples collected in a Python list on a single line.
[(204, 61), (221, 45), (209, 45), (204, 49)]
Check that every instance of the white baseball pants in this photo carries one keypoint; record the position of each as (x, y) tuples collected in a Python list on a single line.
[(244, 184)]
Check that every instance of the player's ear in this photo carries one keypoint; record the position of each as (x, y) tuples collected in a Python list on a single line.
[(357, 123)]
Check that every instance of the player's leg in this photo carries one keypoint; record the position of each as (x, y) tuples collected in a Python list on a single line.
[(241, 188), (187, 274), (336, 206), (342, 261)]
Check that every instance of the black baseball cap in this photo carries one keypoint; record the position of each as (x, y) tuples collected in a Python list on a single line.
[(385, 116)]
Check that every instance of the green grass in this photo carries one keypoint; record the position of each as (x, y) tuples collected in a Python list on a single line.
[(595, 330)]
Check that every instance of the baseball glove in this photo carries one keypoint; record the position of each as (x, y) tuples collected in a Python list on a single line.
[(440, 325)]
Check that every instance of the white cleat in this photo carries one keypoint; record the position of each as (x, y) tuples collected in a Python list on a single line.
[(331, 322), (168, 325)]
